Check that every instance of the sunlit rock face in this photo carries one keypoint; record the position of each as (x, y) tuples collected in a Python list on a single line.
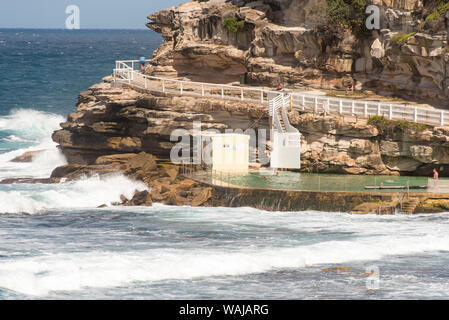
[(287, 40)]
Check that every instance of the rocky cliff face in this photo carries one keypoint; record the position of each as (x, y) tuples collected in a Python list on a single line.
[(111, 120), (303, 43), (273, 39)]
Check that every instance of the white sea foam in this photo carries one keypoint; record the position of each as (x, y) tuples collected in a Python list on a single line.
[(76, 271), (86, 193), (36, 128)]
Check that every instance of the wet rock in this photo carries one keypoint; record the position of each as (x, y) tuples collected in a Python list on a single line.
[(202, 197), (27, 156), (140, 198)]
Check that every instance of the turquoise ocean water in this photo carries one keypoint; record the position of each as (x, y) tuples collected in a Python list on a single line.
[(56, 243)]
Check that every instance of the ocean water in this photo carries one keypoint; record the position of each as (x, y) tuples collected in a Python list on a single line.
[(56, 244)]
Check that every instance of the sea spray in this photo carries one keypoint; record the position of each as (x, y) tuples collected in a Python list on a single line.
[(26, 130), (85, 193)]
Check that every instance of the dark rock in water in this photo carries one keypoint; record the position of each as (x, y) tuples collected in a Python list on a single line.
[(140, 198), (76, 171), (123, 198), (27, 156), (63, 171), (103, 206), (29, 180)]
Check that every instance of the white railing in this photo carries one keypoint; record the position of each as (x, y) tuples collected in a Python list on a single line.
[(366, 109), (125, 71)]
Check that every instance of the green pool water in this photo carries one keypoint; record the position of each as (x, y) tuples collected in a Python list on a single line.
[(318, 182)]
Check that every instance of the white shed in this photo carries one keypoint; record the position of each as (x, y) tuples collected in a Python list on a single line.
[(230, 152)]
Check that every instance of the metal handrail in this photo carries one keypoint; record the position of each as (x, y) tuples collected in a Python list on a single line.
[(124, 71)]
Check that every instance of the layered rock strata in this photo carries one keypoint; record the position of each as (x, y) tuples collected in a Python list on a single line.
[(111, 120), (293, 41)]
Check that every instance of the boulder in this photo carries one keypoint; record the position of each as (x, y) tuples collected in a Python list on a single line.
[(202, 197)]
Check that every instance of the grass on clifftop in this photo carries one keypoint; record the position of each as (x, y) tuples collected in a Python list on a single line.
[(384, 124)]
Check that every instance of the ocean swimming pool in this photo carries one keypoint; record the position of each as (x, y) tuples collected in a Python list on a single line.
[(320, 182)]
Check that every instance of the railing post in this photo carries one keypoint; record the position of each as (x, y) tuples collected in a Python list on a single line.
[(316, 105), (442, 118), (390, 112), (222, 92), (202, 89), (378, 109), (340, 109), (241, 93), (181, 87), (163, 85), (365, 111), (352, 107), (415, 115)]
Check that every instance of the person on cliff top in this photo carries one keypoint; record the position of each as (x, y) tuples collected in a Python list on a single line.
[(280, 87), (351, 87), (142, 63)]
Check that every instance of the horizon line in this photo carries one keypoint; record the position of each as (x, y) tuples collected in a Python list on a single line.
[(81, 29)]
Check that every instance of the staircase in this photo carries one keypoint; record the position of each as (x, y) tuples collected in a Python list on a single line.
[(281, 121), (409, 205)]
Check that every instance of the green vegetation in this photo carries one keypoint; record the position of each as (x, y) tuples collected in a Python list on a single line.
[(380, 122), (438, 13), (401, 38), (348, 14), (435, 20), (384, 124), (233, 24), (403, 124)]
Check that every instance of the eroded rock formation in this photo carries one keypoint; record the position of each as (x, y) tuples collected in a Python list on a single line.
[(293, 40)]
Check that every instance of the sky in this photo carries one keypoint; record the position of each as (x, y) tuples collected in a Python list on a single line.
[(93, 14)]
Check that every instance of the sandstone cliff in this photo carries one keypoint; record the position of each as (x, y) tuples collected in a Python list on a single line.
[(273, 39), (111, 120), (320, 43)]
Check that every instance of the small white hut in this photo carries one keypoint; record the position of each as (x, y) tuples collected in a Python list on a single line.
[(230, 152)]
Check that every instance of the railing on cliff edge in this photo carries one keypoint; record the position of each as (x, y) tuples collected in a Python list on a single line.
[(125, 71)]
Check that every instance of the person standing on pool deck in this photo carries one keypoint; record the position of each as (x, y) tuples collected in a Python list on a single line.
[(435, 177), (142, 63)]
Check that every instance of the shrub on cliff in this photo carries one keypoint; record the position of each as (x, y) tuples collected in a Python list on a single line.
[(384, 125), (434, 21), (348, 14), (233, 24)]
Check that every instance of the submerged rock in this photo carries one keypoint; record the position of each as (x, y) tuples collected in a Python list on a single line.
[(27, 156)]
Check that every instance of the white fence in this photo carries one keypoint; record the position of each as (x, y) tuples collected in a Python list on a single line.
[(126, 71), (366, 109)]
